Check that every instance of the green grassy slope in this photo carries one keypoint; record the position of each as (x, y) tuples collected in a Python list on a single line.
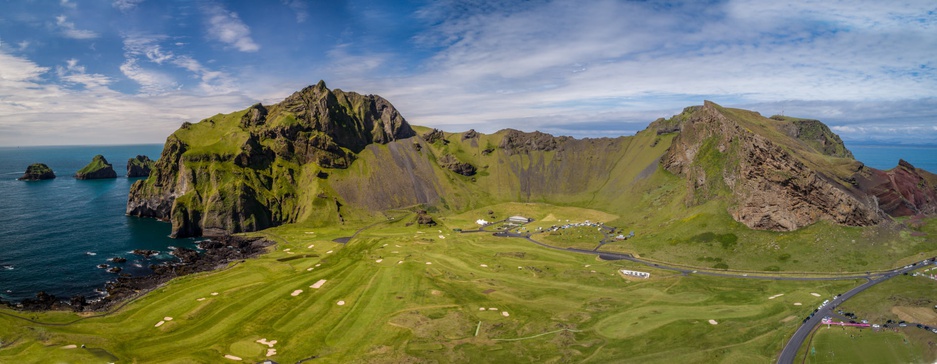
[(561, 307)]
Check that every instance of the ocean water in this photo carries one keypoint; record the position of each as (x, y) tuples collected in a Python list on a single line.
[(54, 233), (886, 157)]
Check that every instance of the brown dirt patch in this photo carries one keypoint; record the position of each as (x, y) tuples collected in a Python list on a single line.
[(487, 291), (921, 315)]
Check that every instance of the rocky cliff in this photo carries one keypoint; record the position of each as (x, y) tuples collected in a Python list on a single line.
[(36, 172), (98, 168), (901, 191), (263, 166), (772, 178), (139, 166)]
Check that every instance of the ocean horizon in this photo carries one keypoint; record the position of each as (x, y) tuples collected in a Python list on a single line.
[(55, 233)]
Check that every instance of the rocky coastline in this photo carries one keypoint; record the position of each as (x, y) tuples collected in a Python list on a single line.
[(217, 252)]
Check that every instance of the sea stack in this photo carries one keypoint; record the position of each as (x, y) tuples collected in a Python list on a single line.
[(139, 166), (36, 172), (97, 169)]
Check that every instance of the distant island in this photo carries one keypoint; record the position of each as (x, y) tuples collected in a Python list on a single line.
[(98, 168), (36, 172)]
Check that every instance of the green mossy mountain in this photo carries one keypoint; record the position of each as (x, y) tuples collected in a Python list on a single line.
[(37, 172), (326, 156), (98, 168)]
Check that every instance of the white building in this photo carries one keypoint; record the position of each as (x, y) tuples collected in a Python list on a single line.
[(519, 219), (635, 273)]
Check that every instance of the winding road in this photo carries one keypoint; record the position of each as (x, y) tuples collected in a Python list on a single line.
[(789, 352)]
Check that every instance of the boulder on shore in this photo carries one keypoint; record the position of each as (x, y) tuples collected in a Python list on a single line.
[(36, 172), (139, 166), (97, 169)]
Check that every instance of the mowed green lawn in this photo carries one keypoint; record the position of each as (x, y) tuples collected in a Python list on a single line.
[(415, 294), (850, 345)]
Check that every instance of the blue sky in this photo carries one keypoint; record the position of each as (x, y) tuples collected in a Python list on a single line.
[(131, 71)]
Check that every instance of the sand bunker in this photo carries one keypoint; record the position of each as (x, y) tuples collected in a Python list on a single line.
[(484, 265), (815, 294), (384, 245), (442, 237), (167, 318), (713, 322), (428, 263), (309, 269), (481, 308), (318, 264), (200, 299), (269, 344), (214, 293), (492, 308), (158, 324), (379, 260), (310, 232), (296, 292), (399, 262), (232, 357), (318, 284), (287, 249), (328, 252), (341, 303), (311, 246), (72, 346), (271, 352), (775, 296), (797, 303), (505, 314)]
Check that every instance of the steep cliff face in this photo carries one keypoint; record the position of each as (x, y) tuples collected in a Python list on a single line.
[(139, 166), (901, 191), (769, 177), (260, 167)]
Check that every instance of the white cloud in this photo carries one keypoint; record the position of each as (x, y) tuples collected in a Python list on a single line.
[(212, 82), (513, 65), (126, 5), (299, 7), (151, 81), (21, 46), (68, 4), (73, 73), (140, 47), (34, 109), (225, 26), (69, 31)]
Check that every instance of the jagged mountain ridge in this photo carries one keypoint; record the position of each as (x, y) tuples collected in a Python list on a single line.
[(325, 156)]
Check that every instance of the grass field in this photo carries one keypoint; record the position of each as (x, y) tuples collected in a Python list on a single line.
[(850, 345), (416, 294)]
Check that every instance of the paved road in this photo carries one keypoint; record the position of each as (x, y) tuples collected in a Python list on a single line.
[(797, 340), (789, 353)]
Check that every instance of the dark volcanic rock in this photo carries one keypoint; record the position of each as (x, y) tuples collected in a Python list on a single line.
[(423, 218), (139, 166), (434, 136), (98, 168), (450, 162), (518, 142), (471, 134), (36, 172)]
